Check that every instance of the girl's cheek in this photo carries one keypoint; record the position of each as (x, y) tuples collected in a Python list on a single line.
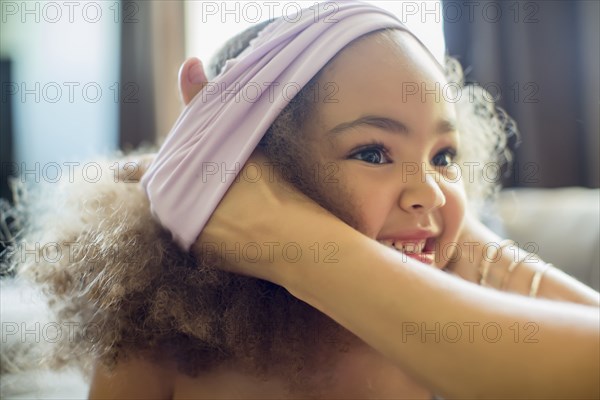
[(455, 207), (372, 202)]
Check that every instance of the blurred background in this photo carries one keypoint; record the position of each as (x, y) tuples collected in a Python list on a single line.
[(85, 78)]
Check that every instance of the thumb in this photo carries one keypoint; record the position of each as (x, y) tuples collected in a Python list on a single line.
[(192, 79)]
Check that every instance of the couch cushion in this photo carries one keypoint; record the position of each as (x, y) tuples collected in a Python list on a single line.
[(561, 225)]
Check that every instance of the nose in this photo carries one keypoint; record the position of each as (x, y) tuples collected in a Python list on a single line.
[(421, 194)]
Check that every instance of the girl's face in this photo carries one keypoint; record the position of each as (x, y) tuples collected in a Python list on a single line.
[(391, 139)]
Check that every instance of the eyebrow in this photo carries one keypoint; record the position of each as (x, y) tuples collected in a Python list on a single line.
[(387, 124)]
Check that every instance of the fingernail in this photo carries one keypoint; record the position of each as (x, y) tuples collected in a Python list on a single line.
[(196, 74)]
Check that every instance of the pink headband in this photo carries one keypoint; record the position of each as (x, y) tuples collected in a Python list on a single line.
[(216, 133)]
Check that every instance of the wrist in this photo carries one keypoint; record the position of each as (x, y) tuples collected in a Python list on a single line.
[(511, 269), (321, 248), (497, 264)]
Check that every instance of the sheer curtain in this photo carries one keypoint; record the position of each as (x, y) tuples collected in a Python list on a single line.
[(208, 20)]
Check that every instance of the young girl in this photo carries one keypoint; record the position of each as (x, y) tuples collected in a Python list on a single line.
[(373, 151)]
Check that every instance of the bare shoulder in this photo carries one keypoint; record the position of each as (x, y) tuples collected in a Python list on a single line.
[(134, 379)]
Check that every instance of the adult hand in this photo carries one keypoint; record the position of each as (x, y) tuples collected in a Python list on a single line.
[(192, 79), (133, 167), (472, 242), (258, 218)]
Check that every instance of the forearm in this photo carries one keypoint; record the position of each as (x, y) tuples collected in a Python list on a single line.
[(554, 284), (512, 269), (382, 298), (369, 289)]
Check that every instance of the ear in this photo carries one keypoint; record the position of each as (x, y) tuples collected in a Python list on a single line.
[(192, 79)]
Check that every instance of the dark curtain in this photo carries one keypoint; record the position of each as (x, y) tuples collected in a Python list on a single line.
[(541, 60), (7, 167), (136, 106), (152, 49)]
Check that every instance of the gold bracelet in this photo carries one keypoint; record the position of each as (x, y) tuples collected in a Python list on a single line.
[(537, 278), (484, 268), (513, 265)]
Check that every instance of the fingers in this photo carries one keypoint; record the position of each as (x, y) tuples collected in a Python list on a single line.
[(132, 170), (192, 79)]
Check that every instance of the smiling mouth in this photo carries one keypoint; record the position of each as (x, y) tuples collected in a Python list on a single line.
[(421, 250)]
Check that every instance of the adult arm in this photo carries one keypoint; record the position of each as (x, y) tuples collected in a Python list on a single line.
[(510, 346), (512, 269)]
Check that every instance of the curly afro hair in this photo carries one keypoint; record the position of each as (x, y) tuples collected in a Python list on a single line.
[(115, 274)]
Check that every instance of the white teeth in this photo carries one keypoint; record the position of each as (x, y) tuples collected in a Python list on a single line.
[(405, 247)]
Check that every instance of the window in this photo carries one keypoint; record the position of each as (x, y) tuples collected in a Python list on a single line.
[(210, 23)]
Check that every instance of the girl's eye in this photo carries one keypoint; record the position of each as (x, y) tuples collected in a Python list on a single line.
[(444, 157), (372, 155)]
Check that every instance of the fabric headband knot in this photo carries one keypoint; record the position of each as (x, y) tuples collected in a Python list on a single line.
[(218, 130)]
